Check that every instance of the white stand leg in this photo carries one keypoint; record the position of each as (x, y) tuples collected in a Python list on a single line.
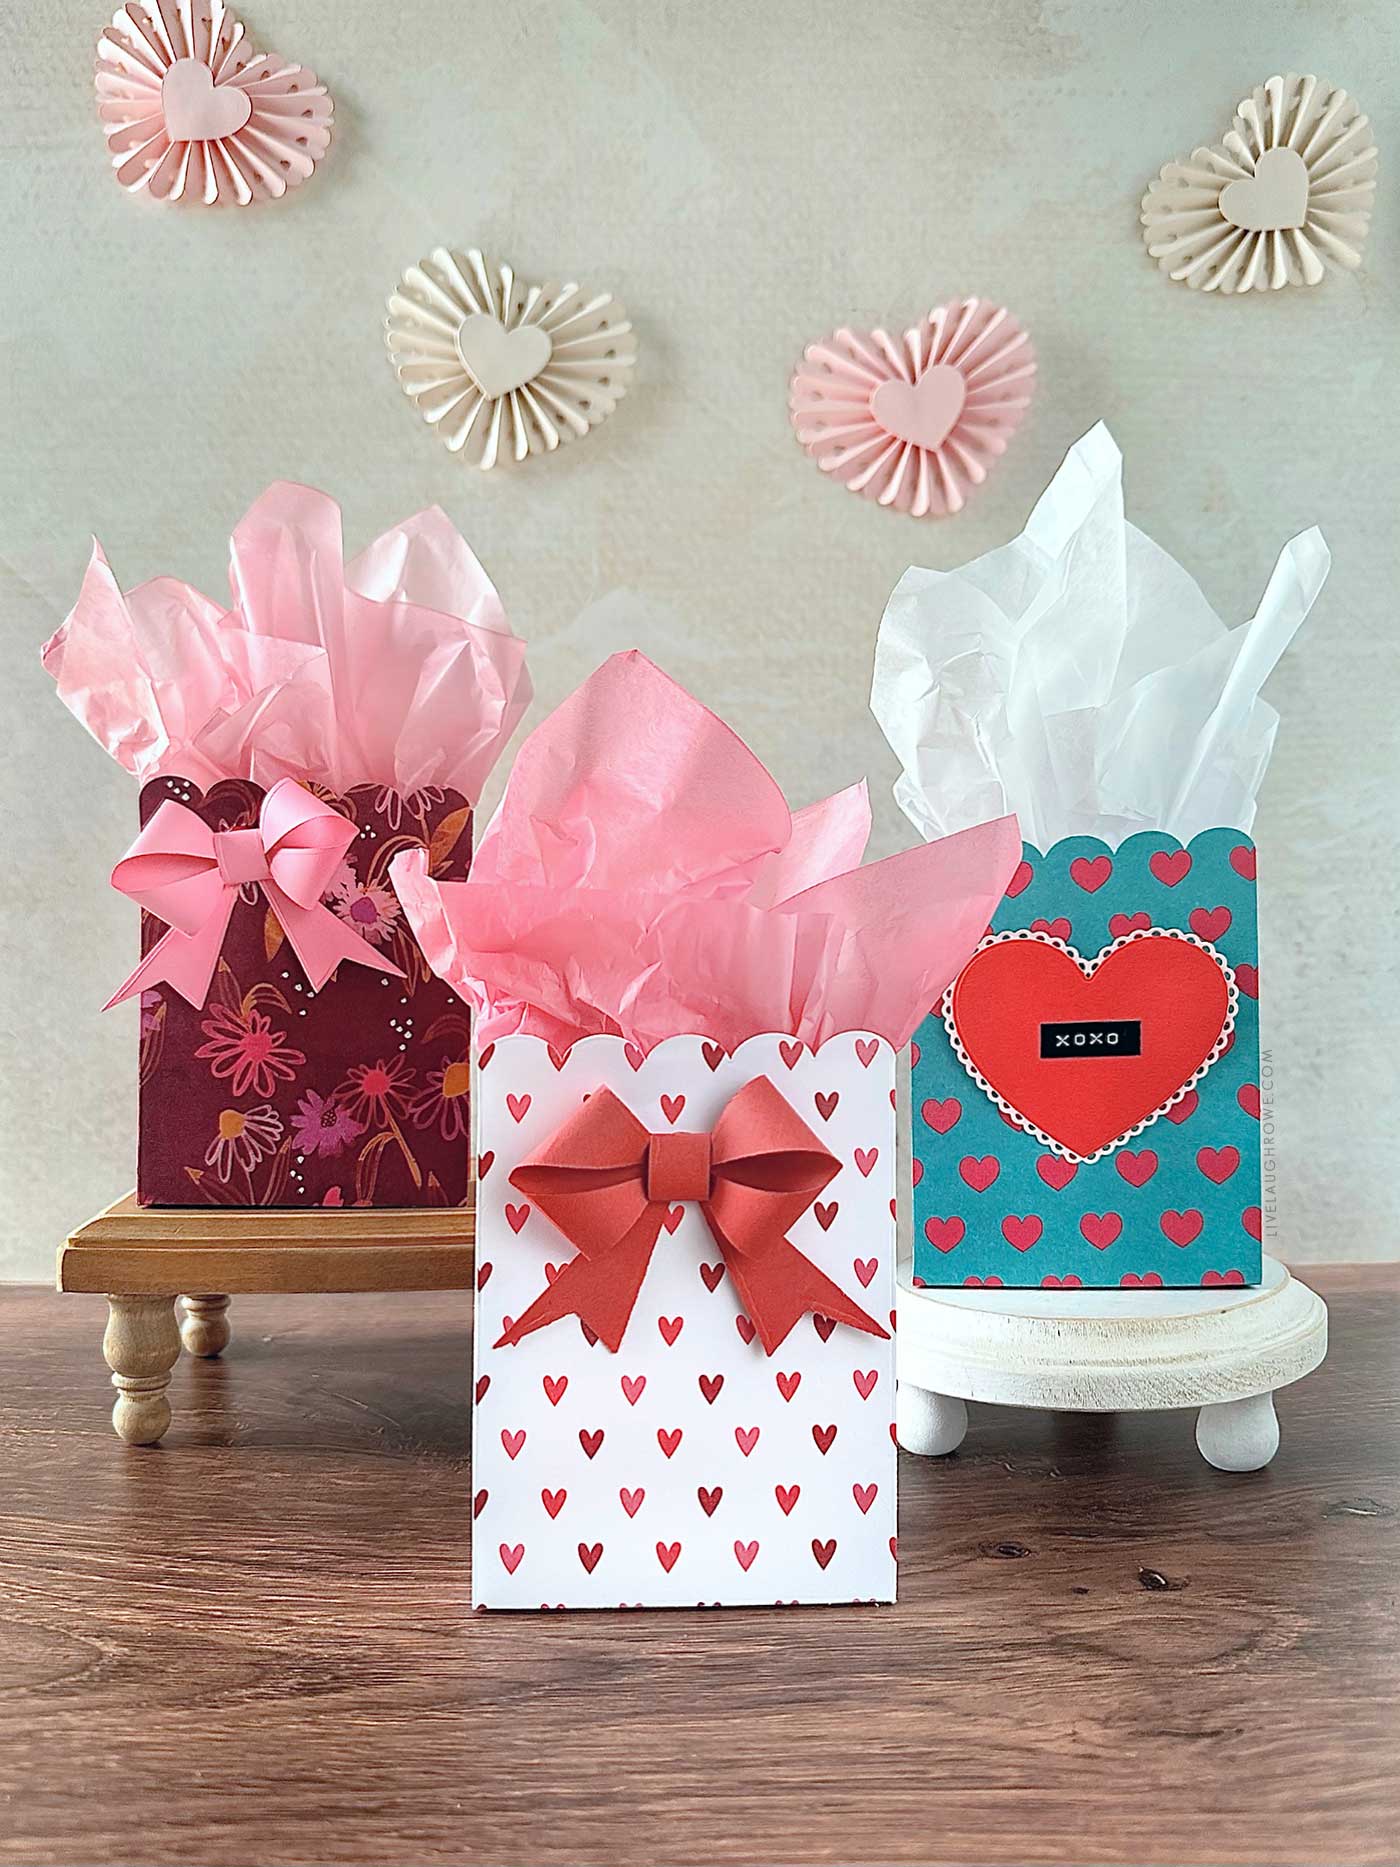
[(930, 1424), (1238, 1435)]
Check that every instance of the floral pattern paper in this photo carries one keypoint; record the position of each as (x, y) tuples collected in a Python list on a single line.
[(272, 1095)]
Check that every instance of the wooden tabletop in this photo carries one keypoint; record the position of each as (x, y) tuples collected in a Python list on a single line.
[(253, 1643)]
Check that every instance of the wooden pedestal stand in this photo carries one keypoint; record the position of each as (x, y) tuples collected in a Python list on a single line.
[(1222, 1351), (142, 1258)]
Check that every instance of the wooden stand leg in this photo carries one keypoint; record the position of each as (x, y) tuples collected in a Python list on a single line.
[(931, 1424), (204, 1329), (1238, 1435), (142, 1345)]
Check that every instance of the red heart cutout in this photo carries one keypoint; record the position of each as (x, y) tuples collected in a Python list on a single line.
[(1177, 992)]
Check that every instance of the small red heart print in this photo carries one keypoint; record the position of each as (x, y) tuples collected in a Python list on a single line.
[(1218, 1163), (709, 1500), (1059, 929), (1020, 881), (1181, 1228), (787, 1496), (824, 1551), (1101, 1229), (824, 1436), (1055, 1172), (867, 1049), (788, 1384), (557, 1057), (1244, 861), (980, 1283), (744, 1554), (1021, 1233), (1090, 872), (865, 1269), (823, 1326), (710, 1384), (1120, 925), (632, 1501), (1247, 979), (519, 1107), (589, 1335), (944, 1234), (865, 1380), (746, 1329), (894, 1548), (486, 1163), (1184, 1109), (670, 1327), (635, 1056), (516, 1217), (825, 1212), (714, 1054), (1223, 1277), (483, 1274), (672, 1218), (1136, 1169), (554, 1386), (590, 1555), (479, 1503), (554, 1501), (710, 1275), (512, 1441), (590, 1439), (866, 1158), (826, 1102), (483, 1381), (668, 1555), (633, 1387), (668, 1438), (941, 1116), (1252, 1219), (1071, 1282), (1210, 923), (485, 1056), (672, 1108), (864, 1496), (1170, 866), (511, 1555), (1247, 1095), (1148, 1280), (791, 1053), (746, 1438), (979, 1174)]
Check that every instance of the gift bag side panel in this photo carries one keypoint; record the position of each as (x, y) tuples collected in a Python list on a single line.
[(1178, 1204), (690, 1468), (272, 1095)]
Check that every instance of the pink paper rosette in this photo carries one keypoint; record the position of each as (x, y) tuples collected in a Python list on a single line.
[(645, 877)]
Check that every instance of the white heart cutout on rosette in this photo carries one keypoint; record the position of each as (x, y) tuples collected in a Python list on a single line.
[(1287, 192), (500, 368)]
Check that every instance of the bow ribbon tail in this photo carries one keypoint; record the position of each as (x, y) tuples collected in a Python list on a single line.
[(185, 962), (321, 939), (600, 1291), (779, 1286)]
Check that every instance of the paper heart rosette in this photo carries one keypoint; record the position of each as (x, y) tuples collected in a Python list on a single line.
[(1086, 1093), (295, 1047), (687, 1000)]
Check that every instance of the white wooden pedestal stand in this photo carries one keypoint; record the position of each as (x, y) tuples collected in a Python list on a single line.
[(1223, 1350)]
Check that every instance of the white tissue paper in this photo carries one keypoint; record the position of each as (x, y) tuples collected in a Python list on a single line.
[(1078, 677)]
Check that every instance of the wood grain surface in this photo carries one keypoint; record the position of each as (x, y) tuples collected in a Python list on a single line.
[(252, 1644)]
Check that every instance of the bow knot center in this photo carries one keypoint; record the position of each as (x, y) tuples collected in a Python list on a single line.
[(678, 1167), (242, 857)]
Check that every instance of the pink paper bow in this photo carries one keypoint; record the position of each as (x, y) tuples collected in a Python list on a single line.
[(189, 876)]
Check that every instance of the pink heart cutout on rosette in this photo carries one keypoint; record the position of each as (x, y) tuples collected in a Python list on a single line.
[(914, 422), (196, 109)]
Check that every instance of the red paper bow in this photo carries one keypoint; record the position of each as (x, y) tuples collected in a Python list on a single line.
[(189, 876), (608, 1185)]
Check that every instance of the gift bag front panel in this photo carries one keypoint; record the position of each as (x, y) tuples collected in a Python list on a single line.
[(689, 1468), (1177, 1204), (270, 1094)]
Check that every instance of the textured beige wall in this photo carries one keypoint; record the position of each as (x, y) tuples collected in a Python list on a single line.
[(745, 176)]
